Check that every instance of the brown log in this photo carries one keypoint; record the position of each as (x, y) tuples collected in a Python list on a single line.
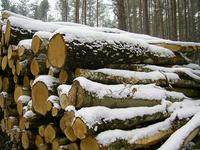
[(89, 143), (22, 122), (54, 72), (66, 125), (4, 63), (40, 42), (71, 146), (23, 67), (1, 83), (8, 84), (41, 130), (15, 135), (11, 63), (57, 142), (21, 102), (38, 65), (11, 122), (51, 132), (12, 52), (71, 51), (24, 49), (5, 100), (38, 140), (28, 140), (19, 91), (3, 125), (83, 96), (137, 116), (42, 88), (26, 81), (44, 147)]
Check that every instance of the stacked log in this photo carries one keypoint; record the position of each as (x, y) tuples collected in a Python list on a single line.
[(62, 87)]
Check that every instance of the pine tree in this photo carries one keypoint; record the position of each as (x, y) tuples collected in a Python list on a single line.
[(5, 4), (43, 9), (23, 8)]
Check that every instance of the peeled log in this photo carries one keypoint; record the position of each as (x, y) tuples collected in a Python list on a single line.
[(40, 42), (87, 93), (42, 87), (92, 120), (98, 50)]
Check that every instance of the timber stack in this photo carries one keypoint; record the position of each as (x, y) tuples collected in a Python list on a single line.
[(70, 86)]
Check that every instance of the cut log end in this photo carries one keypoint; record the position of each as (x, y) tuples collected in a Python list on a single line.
[(21, 50), (41, 130), (7, 33), (36, 43), (57, 51), (89, 143), (39, 97), (69, 133), (50, 133), (63, 76), (4, 62), (35, 70), (38, 140), (79, 128)]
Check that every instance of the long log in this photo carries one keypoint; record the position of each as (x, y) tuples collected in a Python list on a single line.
[(87, 93), (92, 120), (43, 87), (97, 50), (183, 135), (146, 136), (18, 29), (115, 76)]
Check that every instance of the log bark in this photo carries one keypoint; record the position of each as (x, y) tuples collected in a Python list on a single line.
[(82, 127), (38, 65), (43, 87), (114, 76), (87, 93), (40, 42)]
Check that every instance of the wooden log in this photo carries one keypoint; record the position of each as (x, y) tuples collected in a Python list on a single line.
[(111, 49), (4, 63), (5, 100), (51, 101), (66, 76), (15, 135), (88, 93), (23, 67), (1, 83), (183, 135), (24, 50), (115, 76), (8, 84), (41, 130), (28, 140), (66, 125), (54, 72), (40, 42), (57, 142), (6, 14), (11, 122), (22, 101), (19, 91), (22, 122), (24, 28), (89, 143), (71, 146), (123, 118), (38, 140), (44, 147), (193, 93), (51, 132), (38, 65), (42, 87), (12, 52), (26, 81), (63, 91)]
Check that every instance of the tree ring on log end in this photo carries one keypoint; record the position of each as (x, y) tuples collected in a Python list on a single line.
[(89, 143), (10, 52), (25, 140), (36, 43), (35, 69), (39, 97), (80, 128), (4, 62), (17, 93), (57, 51), (63, 76)]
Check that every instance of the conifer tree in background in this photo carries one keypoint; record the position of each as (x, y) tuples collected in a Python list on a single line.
[(5, 4), (43, 9)]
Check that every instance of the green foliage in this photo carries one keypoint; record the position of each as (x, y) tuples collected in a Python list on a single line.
[(43, 9)]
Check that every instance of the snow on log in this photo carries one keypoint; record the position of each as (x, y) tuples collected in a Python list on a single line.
[(70, 46), (88, 93), (114, 76), (146, 136), (19, 91), (93, 120), (63, 92), (18, 29), (24, 49), (42, 87), (21, 102), (40, 42), (184, 135)]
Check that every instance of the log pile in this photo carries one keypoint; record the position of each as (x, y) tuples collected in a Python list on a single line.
[(65, 86)]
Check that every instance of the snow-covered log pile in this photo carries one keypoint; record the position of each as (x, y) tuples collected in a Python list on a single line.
[(70, 86)]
